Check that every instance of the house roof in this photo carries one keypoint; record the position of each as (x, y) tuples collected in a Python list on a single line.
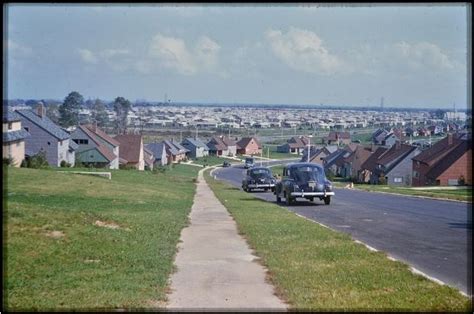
[(10, 116), (45, 123), (103, 151), (73, 145), (448, 160), (371, 162), (332, 158), (394, 152), (298, 142), (228, 141), (196, 143), (438, 150), (244, 142), (216, 143), (334, 135), (102, 135), (12, 136), (156, 149), (130, 146)]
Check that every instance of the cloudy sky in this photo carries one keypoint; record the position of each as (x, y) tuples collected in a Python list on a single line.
[(413, 56)]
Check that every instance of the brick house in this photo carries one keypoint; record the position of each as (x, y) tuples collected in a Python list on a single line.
[(337, 138), (447, 162), (249, 146), (352, 164), (294, 145)]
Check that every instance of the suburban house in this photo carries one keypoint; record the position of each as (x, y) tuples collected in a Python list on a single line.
[(195, 147), (294, 145), (333, 162), (249, 146), (317, 155), (46, 136), (435, 129), (175, 152), (447, 162), (95, 147), (351, 165), (369, 166), (337, 138), (159, 153), (13, 138), (131, 150), (231, 145), (149, 158), (394, 165), (379, 136), (217, 147)]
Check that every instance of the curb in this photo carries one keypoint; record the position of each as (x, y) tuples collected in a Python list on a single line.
[(418, 196)]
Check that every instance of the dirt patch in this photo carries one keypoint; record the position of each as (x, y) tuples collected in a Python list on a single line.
[(92, 261), (55, 234), (110, 225)]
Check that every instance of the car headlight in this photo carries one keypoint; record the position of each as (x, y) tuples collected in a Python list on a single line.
[(296, 187)]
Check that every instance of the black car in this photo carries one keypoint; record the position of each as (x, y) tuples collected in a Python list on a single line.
[(304, 180), (258, 178), (226, 164), (249, 162)]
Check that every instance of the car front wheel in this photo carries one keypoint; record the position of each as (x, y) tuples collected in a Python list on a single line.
[(327, 200)]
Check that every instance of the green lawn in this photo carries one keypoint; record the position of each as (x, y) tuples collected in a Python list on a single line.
[(273, 154), (459, 194), (85, 242), (318, 269), (212, 160)]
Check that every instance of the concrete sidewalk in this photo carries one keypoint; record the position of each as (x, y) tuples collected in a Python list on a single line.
[(215, 267)]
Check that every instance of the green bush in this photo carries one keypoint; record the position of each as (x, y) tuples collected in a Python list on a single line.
[(37, 161), (65, 164), (7, 161), (127, 167)]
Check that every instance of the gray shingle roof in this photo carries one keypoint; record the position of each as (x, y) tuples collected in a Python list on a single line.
[(73, 145), (15, 136), (45, 123), (156, 149), (196, 143), (10, 116)]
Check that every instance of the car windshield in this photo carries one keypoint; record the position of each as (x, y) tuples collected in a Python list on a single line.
[(249, 160), (308, 173), (260, 173)]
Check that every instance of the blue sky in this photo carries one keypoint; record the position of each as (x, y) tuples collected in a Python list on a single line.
[(413, 56)]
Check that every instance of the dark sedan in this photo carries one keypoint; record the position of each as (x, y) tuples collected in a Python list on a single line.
[(258, 178)]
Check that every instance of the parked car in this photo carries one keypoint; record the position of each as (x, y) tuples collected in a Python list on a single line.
[(226, 164), (303, 180), (258, 178), (249, 162)]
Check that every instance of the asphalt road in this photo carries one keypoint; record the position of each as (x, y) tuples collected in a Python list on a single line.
[(431, 235)]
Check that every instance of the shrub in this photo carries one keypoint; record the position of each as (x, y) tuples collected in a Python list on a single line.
[(7, 161), (37, 161), (78, 163), (127, 167), (65, 164)]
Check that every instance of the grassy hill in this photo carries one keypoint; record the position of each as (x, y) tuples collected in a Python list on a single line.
[(84, 242)]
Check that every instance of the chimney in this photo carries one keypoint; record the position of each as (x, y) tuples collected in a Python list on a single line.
[(450, 139), (398, 145), (40, 110)]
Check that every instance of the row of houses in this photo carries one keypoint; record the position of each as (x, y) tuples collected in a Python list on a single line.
[(28, 132), (447, 162)]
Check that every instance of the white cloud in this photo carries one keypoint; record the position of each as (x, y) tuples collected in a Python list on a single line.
[(174, 53), (303, 50), (87, 56), (423, 54)]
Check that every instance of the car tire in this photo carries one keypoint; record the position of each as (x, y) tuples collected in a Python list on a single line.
[(327, 200), (288, 200), (278, 199)]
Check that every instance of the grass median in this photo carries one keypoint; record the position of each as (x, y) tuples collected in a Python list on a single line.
[(315, 268), (85, 242)]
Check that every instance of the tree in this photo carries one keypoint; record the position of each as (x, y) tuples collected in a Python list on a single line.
[(52, 112), (99, 114), (121, 107), (69, 110), (439, 113)]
